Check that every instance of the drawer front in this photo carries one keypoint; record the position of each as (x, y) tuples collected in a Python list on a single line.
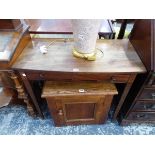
[(144, 106), (34, 76), (48, 76), (147, 94), (142, 116), (118, 78), (151, 82)]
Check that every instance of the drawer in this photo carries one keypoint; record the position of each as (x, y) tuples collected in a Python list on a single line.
[(147, 94), (48, 76), (151, 81), (142, 116), (144, 106), (114, 78), (118, 78)]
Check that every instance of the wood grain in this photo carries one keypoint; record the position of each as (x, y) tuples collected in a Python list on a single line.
[(118, 56), (139, 105), (53, 88), (141, 40)]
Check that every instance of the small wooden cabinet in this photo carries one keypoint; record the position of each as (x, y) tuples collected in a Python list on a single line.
[(74, 103)]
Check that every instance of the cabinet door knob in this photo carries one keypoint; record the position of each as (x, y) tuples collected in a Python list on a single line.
[(60, 112)]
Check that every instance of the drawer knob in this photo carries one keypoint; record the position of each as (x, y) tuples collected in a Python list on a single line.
[(60, 112), (41, 75), (23, 74), (153, 96), (113, 79), (141, 116), (151, 106), (152, 80)]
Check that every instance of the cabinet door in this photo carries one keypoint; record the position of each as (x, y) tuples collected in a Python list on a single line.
[(80, 110)]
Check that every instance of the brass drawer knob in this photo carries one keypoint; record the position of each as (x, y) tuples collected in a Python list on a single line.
[(41, 75), (60, 112), (113, 79)]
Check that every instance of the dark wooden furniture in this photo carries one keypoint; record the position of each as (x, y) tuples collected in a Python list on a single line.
[(74, 103), (142, 96), (63, 26), (119, 64), (10, 24), (12, 44), (14, 36)]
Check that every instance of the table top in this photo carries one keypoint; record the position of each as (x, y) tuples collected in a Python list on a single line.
[(118, 56), (62, 26)]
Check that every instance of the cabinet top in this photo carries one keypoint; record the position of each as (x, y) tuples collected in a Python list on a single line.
[(55, 88), (118, 56)]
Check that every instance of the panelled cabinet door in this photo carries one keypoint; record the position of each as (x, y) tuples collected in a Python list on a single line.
[(79, 110)]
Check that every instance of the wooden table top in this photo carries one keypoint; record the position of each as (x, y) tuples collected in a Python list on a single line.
[(118, 56), (61, 26)]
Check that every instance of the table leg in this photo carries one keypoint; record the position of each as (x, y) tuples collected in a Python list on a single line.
[(122, 29), (125, 93), (31, 93), (22, 94)]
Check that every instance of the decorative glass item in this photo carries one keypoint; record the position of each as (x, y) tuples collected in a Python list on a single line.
[(85, 33)]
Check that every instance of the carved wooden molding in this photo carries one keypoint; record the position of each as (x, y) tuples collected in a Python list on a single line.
[(22, 93)]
